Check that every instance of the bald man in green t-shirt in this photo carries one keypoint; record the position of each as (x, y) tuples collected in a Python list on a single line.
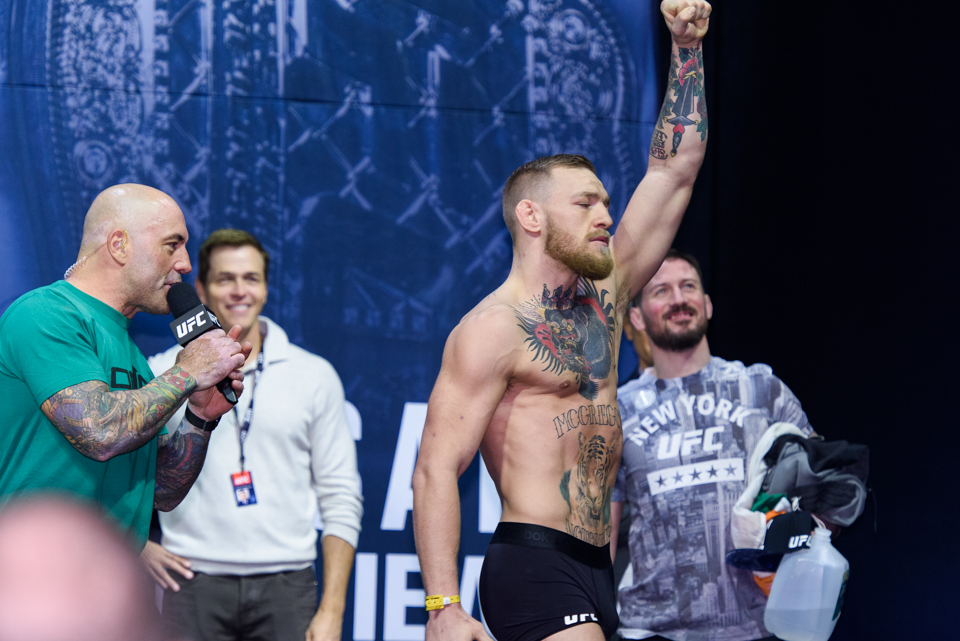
[(84, 415)]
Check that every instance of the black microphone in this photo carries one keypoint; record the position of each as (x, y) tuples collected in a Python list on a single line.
[(191, 319)]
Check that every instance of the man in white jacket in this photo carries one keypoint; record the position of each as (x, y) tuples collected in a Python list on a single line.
[(243, 538)]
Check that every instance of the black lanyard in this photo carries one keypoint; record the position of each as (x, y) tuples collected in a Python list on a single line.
[(248, 414)]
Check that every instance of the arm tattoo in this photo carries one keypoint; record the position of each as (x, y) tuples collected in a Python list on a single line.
[(179, 459), (686, 107), (101, 424)]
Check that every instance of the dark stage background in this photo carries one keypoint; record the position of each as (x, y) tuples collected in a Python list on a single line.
[(829, 195), (366, 144)]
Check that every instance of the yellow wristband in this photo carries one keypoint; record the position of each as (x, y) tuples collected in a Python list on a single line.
[(438, 601)]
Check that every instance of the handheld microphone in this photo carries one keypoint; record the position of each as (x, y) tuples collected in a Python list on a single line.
[(191, 319)]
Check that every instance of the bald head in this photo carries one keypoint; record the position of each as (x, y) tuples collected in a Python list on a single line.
[(65, 573), (128, 207), (133, 249)]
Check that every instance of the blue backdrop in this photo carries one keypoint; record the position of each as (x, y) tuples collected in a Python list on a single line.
[(365, 143)]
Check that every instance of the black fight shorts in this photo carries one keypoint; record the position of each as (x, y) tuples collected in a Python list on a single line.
[(537, 581)]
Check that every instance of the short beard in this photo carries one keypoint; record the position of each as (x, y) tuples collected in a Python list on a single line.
[(678, 342), (560, 247), (158, 306), (142, 292)]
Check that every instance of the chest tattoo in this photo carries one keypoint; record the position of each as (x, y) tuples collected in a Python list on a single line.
[(571, 331)]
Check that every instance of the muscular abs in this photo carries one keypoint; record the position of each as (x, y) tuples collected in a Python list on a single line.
[(563, 421)]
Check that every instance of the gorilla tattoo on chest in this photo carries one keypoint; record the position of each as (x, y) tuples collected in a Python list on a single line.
[(572, 331)]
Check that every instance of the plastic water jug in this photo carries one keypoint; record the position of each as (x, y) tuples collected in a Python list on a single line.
[(807, 591)]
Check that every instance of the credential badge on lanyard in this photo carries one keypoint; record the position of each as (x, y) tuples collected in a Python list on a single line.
[(243, 481)]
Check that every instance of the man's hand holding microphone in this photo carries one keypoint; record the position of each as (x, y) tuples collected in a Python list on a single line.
[(210, 355)]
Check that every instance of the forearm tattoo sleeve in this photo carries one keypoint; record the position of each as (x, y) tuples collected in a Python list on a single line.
[(101, 424), (684, 106), (179, 458)]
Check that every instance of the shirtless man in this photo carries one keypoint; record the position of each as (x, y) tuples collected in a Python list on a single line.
[(529, 377)]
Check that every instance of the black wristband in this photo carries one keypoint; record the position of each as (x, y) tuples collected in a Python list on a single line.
[(196, 421)]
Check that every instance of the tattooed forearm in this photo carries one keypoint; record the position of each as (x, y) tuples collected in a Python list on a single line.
[(179, 459), (684, 105), (101, 424)]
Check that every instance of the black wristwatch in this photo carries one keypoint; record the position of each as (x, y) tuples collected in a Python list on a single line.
[(196, 421)]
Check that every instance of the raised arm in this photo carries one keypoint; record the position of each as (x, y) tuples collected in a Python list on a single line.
[(677, 147), (472, 380)]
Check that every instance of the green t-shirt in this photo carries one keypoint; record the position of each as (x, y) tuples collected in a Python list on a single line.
[(52, 338)]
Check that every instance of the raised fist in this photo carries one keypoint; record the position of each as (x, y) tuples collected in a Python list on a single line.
[(688, 20)]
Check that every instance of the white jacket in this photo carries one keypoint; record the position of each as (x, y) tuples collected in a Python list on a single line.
[(300, 454)]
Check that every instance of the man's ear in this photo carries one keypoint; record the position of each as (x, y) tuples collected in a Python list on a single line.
[(636, 319), (708, 306), (529, 216), (201, 292), (118, 244)]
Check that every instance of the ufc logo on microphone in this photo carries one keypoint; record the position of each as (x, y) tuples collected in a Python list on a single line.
[(192, 323), (187, 326)]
